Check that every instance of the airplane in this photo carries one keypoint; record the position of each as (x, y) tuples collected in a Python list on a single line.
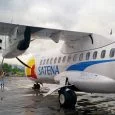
[(85, 63)]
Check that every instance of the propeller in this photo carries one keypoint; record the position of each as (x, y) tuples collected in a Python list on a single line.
[(23, 63)]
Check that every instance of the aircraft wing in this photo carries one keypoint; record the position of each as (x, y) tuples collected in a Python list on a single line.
[(41, 32)]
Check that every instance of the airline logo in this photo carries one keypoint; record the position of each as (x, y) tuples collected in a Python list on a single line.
[(48, 70), (30, 72)]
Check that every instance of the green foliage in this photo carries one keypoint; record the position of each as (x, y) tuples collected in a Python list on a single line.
[(13, 70)]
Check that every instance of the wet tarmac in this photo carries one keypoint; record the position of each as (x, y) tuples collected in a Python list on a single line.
[(18, 98)]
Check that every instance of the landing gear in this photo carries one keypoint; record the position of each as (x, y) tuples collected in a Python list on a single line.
[(67, 97), (36, 86)]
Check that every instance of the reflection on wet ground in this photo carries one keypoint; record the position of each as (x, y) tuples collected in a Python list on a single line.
[(19, 99)]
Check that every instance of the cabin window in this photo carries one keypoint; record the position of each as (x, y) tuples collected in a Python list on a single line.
[(95, 55), (59, 59), (55, 60), (112, 52), (47, 61), (51, 60), (75, 57), (44, 61), (103, 53), (81, 57), (88, 56), (69, 58), (41, 62), (64, 58)]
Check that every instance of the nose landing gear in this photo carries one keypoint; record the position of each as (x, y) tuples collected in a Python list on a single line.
[(36, 86)]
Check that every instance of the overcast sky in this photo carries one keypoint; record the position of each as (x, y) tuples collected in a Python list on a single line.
[(85, 15), (96, 16)]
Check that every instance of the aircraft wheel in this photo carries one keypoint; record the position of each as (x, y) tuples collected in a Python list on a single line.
[(36, 86), (67, 97)]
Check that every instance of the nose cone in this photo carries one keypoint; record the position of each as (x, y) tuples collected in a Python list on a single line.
[(30, 72)]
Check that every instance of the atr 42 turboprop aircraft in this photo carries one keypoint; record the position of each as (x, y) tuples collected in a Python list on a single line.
[(85, 62)]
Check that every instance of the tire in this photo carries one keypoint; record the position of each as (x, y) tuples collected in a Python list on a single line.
[(67, 98), (36, 86)]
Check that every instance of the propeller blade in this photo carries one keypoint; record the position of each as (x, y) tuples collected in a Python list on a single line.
[(23, 63)]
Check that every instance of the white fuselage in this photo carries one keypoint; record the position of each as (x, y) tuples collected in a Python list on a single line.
[(89, 67)]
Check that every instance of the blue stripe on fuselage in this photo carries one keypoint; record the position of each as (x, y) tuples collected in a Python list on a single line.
[(83, 65)]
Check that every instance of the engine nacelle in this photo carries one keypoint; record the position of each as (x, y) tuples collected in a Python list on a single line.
[(24, 44), (17, 42)]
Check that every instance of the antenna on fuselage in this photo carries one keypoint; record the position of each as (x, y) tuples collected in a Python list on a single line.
[(111, 32), (91, 38)]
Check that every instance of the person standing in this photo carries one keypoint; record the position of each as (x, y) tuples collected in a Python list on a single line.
[(2, 80)]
